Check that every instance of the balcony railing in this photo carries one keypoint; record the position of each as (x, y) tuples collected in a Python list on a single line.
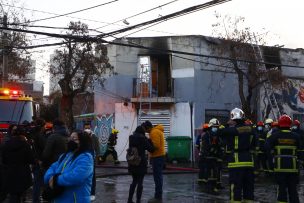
[(144, 91)]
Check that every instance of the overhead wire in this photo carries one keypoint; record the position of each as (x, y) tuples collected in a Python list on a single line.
[(46, 12), (169, 16), (73, 12), (94, 39), (143, 12)]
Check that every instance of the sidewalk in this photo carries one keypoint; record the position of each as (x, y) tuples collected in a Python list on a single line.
[(110, 169)]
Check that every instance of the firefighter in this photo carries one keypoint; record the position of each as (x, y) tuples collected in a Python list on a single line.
[(112, 141), (261, 158), (284, 160), (210, 150), (205, 127), (268, 123), (202, 169), (240, 140), (296, 127)]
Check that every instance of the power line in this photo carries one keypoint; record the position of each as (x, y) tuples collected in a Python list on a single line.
[(146, 11), (85, 19), (46, 12), (169, 16), (85, 9), (95, 39)]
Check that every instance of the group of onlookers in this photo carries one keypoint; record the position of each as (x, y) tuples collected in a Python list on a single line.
[(45, 155), (47, 152)]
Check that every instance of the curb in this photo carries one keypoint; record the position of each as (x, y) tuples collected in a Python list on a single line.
[(186, 169), (168, 170)]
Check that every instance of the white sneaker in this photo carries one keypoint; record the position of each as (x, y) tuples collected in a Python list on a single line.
[(92, 197)]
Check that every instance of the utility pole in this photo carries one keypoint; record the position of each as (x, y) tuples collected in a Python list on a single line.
[(4, 76)]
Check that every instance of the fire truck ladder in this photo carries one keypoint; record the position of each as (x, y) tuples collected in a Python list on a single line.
[(272, 101), (145, 92)]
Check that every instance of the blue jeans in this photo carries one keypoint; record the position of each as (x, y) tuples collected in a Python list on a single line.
[(157, 165)]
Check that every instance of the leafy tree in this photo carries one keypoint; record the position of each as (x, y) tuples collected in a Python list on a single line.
[(237, 44), (77, 66)]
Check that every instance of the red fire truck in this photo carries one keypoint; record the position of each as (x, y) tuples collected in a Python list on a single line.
[(15, 108)]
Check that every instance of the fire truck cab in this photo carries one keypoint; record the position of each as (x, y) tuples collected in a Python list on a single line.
[(15, 108)]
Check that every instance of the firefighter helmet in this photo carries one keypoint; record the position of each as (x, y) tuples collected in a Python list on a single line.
[(214, 122), (274, 124), (285, 121), (260, 123), (296, 122), (115, 131), (248, 122), (48, 125), (237, 113), (205, 126), (268, 121)]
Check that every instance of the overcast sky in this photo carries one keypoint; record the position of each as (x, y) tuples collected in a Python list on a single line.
[(281, 20)]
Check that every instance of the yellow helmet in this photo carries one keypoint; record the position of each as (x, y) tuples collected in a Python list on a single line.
[(268, 121), (115, 131)]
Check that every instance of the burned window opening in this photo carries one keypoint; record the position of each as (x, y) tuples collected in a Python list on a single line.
[(272, 56), (156, 69)]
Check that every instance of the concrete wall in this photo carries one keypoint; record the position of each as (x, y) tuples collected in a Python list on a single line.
[(205, 89), (180, 124), (126, 122)]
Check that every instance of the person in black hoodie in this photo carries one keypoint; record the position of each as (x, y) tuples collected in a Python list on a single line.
[(56, 144), (17, 156), (142, 143)]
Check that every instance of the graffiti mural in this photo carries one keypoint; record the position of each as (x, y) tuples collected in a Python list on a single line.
[(290, 99), (293, 96), (102, 130)]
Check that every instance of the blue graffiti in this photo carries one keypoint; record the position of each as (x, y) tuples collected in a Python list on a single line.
[(102, 131)]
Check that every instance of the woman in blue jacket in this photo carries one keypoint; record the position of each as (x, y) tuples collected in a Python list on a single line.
[(75, 169)]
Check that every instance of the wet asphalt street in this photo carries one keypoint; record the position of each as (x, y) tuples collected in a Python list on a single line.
[(180, 188)]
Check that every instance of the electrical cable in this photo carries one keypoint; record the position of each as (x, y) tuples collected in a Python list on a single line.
[(169, 16), (35, 10), (85, 9), (94, 39), (86, 39), (146, 11)]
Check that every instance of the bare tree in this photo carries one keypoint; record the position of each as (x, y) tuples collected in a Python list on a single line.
[(18, 59), (240, 45), (77, 66)]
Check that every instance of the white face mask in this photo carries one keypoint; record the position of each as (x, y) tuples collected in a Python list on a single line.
[(214, 129), (294, 127), (267, 127), (260, 128)]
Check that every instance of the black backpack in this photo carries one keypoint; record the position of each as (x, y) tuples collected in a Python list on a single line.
[(133, 157)]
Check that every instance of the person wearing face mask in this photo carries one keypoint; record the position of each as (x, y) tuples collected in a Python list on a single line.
[(282, 149), (210, 152), (240, 140), (268, 123), (202, 178), (73, 170), (261, 159)]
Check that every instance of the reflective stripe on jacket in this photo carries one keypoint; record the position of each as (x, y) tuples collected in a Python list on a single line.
[(241, 141), (285, 145)]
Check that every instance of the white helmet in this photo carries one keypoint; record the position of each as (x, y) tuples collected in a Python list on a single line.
[(214, 122), (237, 113), (268, 121)]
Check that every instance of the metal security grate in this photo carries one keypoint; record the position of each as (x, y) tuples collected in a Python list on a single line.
[(158, 117)]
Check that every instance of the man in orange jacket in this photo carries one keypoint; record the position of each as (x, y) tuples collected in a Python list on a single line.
[(157, 137)]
